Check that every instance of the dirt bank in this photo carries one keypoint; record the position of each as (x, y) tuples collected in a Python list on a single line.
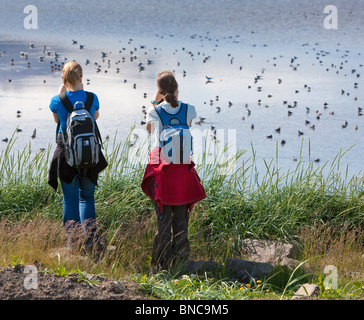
[(13, 283)]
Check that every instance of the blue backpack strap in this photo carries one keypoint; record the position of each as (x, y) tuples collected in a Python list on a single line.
[(183, 114), (160, 113), (166, 117)]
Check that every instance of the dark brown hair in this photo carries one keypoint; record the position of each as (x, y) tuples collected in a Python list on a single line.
[(167, 85)]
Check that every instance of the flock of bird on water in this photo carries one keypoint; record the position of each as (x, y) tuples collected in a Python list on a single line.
[(55, 65)]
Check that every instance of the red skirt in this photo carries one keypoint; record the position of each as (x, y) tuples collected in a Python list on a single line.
[(171, 184)]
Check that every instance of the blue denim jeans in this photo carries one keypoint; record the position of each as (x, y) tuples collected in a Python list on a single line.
[(79, 206)]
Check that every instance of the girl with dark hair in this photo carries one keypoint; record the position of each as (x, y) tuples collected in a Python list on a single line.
[(174, 188)]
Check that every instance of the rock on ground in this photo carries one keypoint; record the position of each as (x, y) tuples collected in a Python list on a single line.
[(306, 290), (236, 269), (271, 251), (261, 257), (244, 270)]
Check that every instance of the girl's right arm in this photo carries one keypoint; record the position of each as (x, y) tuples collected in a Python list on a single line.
[(55, 116), (62, 89)]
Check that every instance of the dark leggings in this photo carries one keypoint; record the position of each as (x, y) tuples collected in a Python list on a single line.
[(167, 249)]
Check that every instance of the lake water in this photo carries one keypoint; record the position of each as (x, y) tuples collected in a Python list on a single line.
[(266, 59)]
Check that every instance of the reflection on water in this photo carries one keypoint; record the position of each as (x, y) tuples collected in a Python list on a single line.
[(279, 79)]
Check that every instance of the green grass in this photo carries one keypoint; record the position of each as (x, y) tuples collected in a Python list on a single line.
[(281, 285), (295, 206)]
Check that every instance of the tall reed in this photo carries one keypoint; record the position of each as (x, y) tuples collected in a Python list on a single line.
[(241, 201)]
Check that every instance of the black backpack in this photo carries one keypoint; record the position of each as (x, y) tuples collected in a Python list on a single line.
[(83, 140)]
